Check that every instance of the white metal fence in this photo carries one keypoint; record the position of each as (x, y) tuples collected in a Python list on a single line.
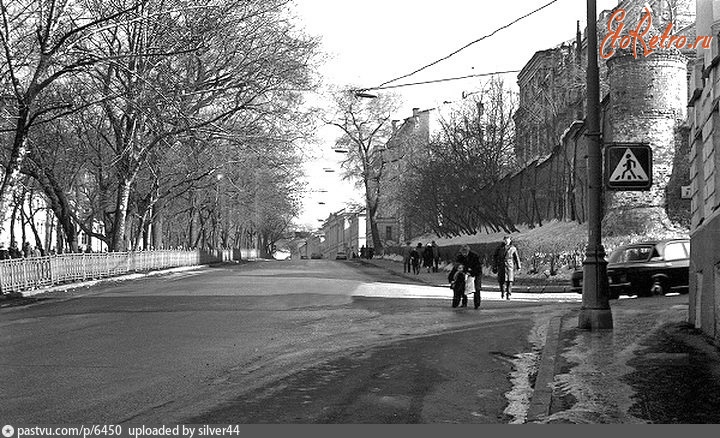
[(31, 273)]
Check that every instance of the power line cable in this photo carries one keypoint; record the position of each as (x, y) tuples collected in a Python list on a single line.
[(465, 46), (438, 80)]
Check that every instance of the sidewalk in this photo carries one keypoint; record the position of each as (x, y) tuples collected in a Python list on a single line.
[(489, 281), (651, 367)]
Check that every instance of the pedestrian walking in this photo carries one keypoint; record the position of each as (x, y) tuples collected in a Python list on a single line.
[(26, 250), (505, 262), (14, 251), (498, 267), (415, 258), (436, 256), (428, 257), (473, 266), (407, 265), (456, 277)]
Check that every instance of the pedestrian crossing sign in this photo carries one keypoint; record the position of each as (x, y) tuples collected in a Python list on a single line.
[(628, 166)]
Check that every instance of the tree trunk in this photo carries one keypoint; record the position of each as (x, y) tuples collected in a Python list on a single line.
[(140, 235), (59, 241), (14, 164), (120, 222), (146, 234), (58, 202), (13, 218), (31, 222), (157, 230), (372, 206), (49, 228), (157, 225)]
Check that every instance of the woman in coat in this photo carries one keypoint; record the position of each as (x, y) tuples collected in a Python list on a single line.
[(511, 263)]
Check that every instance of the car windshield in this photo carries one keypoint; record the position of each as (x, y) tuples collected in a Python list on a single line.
[(631, 254)]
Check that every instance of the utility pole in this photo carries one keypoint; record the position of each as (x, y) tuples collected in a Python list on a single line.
[(595, 313)]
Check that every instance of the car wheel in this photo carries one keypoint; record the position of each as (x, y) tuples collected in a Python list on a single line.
[(659, 287), (614, 295)]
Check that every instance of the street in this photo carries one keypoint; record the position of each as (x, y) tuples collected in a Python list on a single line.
[(307, 341)]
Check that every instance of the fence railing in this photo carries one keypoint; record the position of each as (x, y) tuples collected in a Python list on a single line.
[(30, 273)]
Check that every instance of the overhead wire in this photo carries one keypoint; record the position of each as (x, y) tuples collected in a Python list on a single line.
[(386, 87), (461, 49)]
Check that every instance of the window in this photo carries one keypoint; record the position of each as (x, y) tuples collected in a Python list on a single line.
[(388, 233), (675, 251), (635, 254)]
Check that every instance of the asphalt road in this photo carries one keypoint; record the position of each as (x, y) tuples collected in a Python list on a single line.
[(309, 341)]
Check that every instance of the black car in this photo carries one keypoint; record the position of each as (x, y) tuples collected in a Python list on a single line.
[(646, 268)]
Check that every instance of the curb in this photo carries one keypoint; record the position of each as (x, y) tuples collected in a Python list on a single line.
[(542, 394)]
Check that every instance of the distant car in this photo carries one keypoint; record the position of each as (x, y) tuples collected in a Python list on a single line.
[(315, 256), (341, 255), (646, 268)]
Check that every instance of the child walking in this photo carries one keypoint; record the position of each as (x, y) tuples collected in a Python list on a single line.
[(457, 284)]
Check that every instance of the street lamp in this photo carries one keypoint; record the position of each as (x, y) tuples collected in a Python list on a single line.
[(595, 312), (365, 95)]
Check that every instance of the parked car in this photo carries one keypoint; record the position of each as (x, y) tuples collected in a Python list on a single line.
[(341, 255), (646, 268)]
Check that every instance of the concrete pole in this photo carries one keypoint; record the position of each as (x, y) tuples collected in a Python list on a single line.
[(595, 313)]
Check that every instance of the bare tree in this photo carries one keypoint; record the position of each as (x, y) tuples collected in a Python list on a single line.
[(169, 82), (366, 129), (42, 44), (449, 192)]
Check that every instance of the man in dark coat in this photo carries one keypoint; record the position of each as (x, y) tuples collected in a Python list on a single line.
[(436, 256), (473, 266), (407, 265), (428, 257), (415, 258), (14, 251), (499, 267)]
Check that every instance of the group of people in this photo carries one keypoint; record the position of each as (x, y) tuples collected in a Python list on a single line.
[(427, 257), (365, 253), (466, 274), (16, 253)]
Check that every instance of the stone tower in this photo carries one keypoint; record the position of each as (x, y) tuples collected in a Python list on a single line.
[(647, 103)]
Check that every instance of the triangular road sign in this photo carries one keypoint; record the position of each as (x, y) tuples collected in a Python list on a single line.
[(629, 169)]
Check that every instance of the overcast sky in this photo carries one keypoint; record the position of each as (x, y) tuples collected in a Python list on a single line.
[(374, 41)]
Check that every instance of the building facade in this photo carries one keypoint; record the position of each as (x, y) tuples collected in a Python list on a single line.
[(704, 121), (551, 97), (348, 231)]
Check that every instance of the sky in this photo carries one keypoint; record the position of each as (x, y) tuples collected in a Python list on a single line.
[(374, 41)]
